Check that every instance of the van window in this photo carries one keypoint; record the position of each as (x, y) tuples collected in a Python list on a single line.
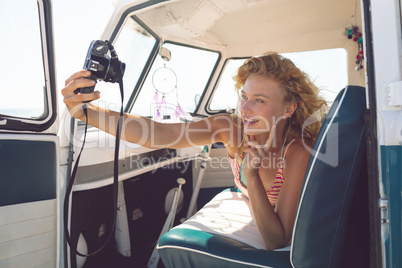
[(133, 46), (180, 81), (327, 68), (226, 97), (23, 88)]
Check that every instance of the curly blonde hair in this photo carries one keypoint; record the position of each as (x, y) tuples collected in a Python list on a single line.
[(298, 87)]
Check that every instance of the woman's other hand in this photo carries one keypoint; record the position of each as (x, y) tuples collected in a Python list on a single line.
[(257, 153)]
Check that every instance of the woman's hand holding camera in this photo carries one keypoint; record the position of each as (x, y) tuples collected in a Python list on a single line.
[(73, 101)]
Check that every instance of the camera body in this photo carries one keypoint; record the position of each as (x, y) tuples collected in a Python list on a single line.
[(102, 66)]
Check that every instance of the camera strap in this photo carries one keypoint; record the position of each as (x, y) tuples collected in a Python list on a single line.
[(73, 246)]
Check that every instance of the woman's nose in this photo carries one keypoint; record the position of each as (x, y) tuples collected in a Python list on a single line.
[(245, 106)]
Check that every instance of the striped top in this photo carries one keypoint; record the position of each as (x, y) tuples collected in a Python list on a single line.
[(241, 183)]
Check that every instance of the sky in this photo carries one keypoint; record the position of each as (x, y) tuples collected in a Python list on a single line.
[(76, 23)]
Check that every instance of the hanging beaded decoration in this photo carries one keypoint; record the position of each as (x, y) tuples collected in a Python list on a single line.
[(353, 32), (164, 81)]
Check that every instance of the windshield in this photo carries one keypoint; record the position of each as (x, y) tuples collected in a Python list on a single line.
[(134, 46), (173, 87)]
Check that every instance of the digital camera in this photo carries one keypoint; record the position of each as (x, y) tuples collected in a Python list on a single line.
[(102, 66)]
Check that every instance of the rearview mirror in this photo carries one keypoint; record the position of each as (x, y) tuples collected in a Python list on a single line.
[(165, 54)]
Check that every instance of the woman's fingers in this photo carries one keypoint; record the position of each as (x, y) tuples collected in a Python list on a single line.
[(258, 148), (270, 139), (258, 152), (254, 157), (75, 101), (77, 75), (74, 84), (85, 97), (253, 161)]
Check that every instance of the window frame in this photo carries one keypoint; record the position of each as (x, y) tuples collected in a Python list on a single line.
[(211, 96), (14, 123), (147, 67)]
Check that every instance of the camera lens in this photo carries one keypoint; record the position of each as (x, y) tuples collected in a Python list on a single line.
[(100, 48)]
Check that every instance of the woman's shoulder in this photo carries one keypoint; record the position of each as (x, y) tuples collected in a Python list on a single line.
[(297, 159), (301, 145), (299, 150)]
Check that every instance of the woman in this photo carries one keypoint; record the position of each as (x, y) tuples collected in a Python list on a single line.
[(267, 142)]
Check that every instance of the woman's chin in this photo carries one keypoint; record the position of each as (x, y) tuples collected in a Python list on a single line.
[(254, 132)]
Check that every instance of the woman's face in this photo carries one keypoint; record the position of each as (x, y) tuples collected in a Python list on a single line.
[(261, 104)]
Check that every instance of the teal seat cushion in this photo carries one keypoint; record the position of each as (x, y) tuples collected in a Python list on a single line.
[(192, 248), (222, 233)]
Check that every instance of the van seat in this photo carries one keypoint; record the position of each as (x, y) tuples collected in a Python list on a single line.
[(331, 221), (223, 225)]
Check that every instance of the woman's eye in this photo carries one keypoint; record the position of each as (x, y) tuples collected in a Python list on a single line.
[(259, 100), (243, 97)]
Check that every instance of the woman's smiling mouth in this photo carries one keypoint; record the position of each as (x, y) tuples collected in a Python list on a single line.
[(249, 122)]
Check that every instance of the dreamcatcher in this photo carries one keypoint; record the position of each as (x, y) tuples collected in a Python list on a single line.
[(164, 81)]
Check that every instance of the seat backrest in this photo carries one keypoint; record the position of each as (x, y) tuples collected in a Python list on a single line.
[(330, 184)]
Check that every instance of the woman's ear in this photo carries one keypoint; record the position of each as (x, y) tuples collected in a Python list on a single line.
[(290, 109)]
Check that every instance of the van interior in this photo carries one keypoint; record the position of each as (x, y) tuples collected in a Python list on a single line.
[(186, 52)]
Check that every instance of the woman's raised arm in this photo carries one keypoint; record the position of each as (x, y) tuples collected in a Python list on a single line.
[(144, 131)]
